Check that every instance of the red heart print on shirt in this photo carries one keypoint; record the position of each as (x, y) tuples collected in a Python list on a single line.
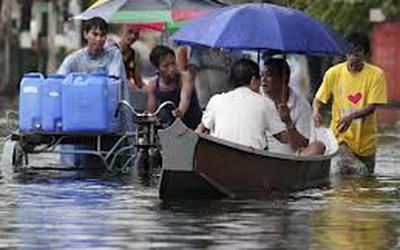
[(355, 98)]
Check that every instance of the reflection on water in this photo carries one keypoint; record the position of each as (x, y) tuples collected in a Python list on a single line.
[(5, 104), (389, 154), (358, 213), (72, 210)]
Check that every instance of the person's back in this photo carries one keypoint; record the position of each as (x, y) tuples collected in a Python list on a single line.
[(242, 115)]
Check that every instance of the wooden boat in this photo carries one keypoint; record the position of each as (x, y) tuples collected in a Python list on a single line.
[(201, 166)]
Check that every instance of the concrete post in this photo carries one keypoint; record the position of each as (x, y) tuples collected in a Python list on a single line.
[(51, 35), (6, 8)]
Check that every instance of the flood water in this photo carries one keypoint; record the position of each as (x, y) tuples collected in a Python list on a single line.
[(74, 210)]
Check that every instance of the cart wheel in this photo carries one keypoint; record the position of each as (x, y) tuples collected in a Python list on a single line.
[(13, 158), (155, 159), (142, 159)]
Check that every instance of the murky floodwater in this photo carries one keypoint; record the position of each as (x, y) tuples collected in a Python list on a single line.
[(75, 210)]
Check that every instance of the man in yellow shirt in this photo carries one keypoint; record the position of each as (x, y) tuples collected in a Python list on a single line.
[(357, 88)]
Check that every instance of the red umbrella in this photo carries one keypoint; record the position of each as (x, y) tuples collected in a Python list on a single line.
[(153, 14)]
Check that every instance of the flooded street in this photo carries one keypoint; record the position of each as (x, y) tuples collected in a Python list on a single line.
[(75, 210)]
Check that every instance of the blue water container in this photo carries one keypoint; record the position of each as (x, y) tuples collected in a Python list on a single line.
[(84, 103), (51, 103), (30, 110), (113, 97)]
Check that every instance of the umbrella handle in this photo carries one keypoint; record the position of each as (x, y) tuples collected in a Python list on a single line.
[(283, 95)]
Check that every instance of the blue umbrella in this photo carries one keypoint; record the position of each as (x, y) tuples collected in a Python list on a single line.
[(261, 27)]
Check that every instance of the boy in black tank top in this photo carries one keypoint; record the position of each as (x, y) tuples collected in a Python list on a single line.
[(175, 86)]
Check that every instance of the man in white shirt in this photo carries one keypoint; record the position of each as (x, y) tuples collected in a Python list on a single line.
[(293, 110), (242, 115)]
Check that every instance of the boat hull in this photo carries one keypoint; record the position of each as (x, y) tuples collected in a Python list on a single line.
[(200, 166)]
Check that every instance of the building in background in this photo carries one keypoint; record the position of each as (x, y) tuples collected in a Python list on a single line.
[(10, 21), (385, 50), (44, 34)]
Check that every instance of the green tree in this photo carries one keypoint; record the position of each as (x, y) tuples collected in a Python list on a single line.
[(344, 16), (347, 15)]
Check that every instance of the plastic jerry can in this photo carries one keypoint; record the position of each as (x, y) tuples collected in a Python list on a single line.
[(51, 103), (113, 97), (84, 103), (30, 106)]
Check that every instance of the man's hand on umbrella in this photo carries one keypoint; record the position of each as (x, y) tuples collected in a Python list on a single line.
[(284, 113)]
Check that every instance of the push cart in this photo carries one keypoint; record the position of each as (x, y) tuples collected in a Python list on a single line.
[(116, 151)]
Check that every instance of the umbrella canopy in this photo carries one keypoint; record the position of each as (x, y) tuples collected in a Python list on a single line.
[(261, 27), (157, 12), (171, 27)]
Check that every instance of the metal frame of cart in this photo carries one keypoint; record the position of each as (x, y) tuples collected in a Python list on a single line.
[(116, 151)]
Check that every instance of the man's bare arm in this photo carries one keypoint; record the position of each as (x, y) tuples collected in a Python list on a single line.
[(346, 121), (316, 114)]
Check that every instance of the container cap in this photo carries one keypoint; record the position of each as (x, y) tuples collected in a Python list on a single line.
[(113, 77), (34, 75), (56, 76), (99, 74)]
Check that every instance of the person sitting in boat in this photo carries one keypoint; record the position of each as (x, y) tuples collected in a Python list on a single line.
[(242, 115), (294, 111), (172, 85)]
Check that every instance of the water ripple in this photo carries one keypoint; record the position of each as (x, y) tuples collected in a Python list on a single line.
[(68, 210)]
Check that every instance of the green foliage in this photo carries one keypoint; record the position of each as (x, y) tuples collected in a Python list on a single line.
[(346, 16), (86, 3)]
